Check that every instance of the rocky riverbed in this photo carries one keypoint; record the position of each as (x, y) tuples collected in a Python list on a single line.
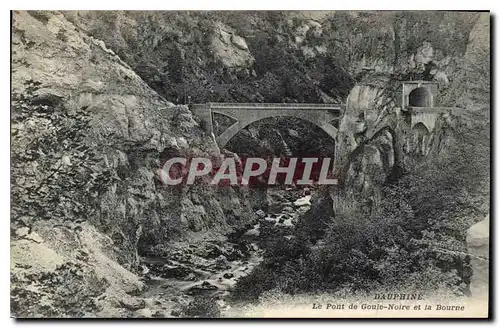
[(209, 269)]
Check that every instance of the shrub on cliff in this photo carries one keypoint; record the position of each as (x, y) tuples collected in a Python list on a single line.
[(55, 173), (202, 307), (71, 290)]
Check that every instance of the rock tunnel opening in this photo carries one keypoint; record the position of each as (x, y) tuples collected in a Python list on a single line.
[(419, 97)]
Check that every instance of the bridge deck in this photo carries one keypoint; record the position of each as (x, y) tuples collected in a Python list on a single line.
[(254, 106), (436, 109)]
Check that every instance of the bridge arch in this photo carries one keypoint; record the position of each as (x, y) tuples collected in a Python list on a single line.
[(231, 131), (421, 137)]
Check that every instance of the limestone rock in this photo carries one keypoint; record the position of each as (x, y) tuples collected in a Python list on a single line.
[(304, 201), (144, 313), (132, 303), (231, 49), (239, 42), (478, 239), (21, 232)]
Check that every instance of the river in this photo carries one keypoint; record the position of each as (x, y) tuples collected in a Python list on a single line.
[(209, 268)]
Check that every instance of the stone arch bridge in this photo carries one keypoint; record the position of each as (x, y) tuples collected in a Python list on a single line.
[(325, 116)]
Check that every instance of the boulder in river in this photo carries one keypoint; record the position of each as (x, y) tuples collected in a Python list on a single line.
[(221, 262), (274, 208), (144, 313), (260, 214), (132, 303), (255, 232), (201, 288), (306, 200), (175, 313), (175, 271)]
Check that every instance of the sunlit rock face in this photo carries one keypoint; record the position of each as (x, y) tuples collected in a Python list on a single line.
[(369, 169), (132, 127), (375, 136), (231, 49), (376, 139), (364, 114), (478, 238)]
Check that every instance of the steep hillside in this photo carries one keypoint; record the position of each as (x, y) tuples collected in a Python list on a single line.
[(196, 57), (399, 218), (88, 137)]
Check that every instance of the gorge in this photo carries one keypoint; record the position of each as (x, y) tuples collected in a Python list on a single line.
[(101, 100)]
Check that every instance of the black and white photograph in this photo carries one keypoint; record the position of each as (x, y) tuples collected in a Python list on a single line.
[(181, 164)]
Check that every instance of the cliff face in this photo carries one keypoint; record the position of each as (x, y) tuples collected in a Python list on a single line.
[(279, 56), (88, 138), (375, 138), (478, 243), (376, 146)]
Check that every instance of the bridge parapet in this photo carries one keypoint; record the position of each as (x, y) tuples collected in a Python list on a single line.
[(290, 106), (429, 115), (436, 110)]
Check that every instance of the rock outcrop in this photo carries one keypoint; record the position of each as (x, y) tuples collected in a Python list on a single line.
[(374, 132), (478, 246), (231, 49)]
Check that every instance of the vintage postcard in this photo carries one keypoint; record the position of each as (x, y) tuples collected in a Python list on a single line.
[(250, 164)]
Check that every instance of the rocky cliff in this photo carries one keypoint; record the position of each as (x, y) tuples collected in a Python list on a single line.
[(96, 134), (377, 148), (478, 241), (376, 142), (279, 56)]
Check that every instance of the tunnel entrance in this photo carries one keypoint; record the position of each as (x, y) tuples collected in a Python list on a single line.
[(419, 97)]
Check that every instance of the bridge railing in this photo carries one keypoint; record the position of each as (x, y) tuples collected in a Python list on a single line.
[(268, 105), (271, 105), (436, 109)]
